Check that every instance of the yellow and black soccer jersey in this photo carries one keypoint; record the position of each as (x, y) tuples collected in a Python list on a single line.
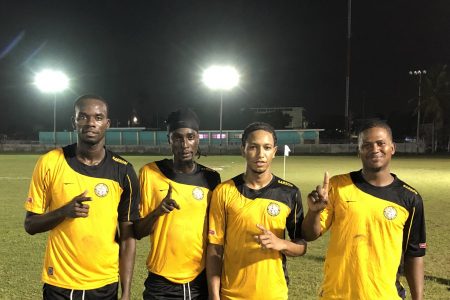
[(82, 252), (248, 271), (178, 241), (371, 228)]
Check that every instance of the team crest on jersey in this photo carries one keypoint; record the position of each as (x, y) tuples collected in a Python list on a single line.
[(50, 271), (101, 190), (273, 209), (197, 193), (390, 213)]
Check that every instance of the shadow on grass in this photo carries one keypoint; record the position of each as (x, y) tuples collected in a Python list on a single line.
[(439, 280), (319, 258)]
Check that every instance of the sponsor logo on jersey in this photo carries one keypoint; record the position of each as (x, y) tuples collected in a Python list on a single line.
[(197, 193), (390, 213), (101, 190), (284, 183), (410, 189), (119, 160), (273, 209), (50, 271)]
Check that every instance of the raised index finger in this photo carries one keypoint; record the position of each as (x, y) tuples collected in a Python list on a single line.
[(326, 181), (169, 192)]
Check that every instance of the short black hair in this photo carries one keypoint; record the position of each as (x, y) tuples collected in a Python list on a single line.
[(259, 126), (373, 123), (90, 96)]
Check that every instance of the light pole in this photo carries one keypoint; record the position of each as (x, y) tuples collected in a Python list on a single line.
[(419, 74), (50, 81), (221, 78)]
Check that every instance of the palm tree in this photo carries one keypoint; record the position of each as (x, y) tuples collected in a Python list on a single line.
[(435, 104)]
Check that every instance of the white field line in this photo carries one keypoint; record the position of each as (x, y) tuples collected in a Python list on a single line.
[(14, 178), (220, 168)]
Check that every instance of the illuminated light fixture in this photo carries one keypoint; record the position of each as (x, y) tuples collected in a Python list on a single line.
[(50, 81), (221, 78)]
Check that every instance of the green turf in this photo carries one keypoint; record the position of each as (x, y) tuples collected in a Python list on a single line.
[(21, 255)]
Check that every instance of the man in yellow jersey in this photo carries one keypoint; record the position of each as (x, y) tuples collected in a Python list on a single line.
[(376, 221), (87, 198), (249, 214), (175, 195)]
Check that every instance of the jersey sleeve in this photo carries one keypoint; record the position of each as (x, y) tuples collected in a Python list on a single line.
[(326, 216), (146, 203), (217, 213), (295, 218), (217, 180), (129, 200), (39, 195), (414, 230)]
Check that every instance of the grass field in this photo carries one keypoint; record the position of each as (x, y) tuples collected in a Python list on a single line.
[(21, 255)]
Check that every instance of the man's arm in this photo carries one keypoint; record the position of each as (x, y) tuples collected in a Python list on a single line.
[(414, 272), (317, 201), (144, 226), (36, 223), (214, 256), (311, 225), (126, 257), (268, 240)]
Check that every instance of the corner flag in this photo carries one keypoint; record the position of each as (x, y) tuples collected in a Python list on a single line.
[(286, 153), (286, 150)]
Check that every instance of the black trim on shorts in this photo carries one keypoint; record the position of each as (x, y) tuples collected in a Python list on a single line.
[(158, 287), (107, 292)]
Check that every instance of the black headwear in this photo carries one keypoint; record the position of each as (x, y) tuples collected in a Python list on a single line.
[(182, 118)]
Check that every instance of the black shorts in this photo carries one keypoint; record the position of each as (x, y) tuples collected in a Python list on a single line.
[(107, 292), (159, 288)]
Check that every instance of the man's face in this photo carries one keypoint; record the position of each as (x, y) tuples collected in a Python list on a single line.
[(376, 149), (184, 144), (91, 121), (259, 151)]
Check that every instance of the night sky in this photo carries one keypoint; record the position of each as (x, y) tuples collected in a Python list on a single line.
[(148, 56)]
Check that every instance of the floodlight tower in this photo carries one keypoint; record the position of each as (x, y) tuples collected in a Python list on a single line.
[(418, 73), (51, 81), (221, 78)]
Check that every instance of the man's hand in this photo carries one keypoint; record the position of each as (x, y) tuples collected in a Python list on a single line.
[(76, 208), (268, 240), (168, 204), (144, 226), (35, 223), (318, 198)]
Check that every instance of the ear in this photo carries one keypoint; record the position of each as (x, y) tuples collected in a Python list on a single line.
[(73, 122), (242, 151), (275, 149), (108, 123), (393, 148), (168, 138)]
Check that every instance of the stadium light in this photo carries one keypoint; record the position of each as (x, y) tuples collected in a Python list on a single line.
[(221, 78), (50, 81)]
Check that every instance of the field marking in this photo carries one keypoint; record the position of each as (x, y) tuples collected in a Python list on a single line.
[(14, 178), (220, 168)]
